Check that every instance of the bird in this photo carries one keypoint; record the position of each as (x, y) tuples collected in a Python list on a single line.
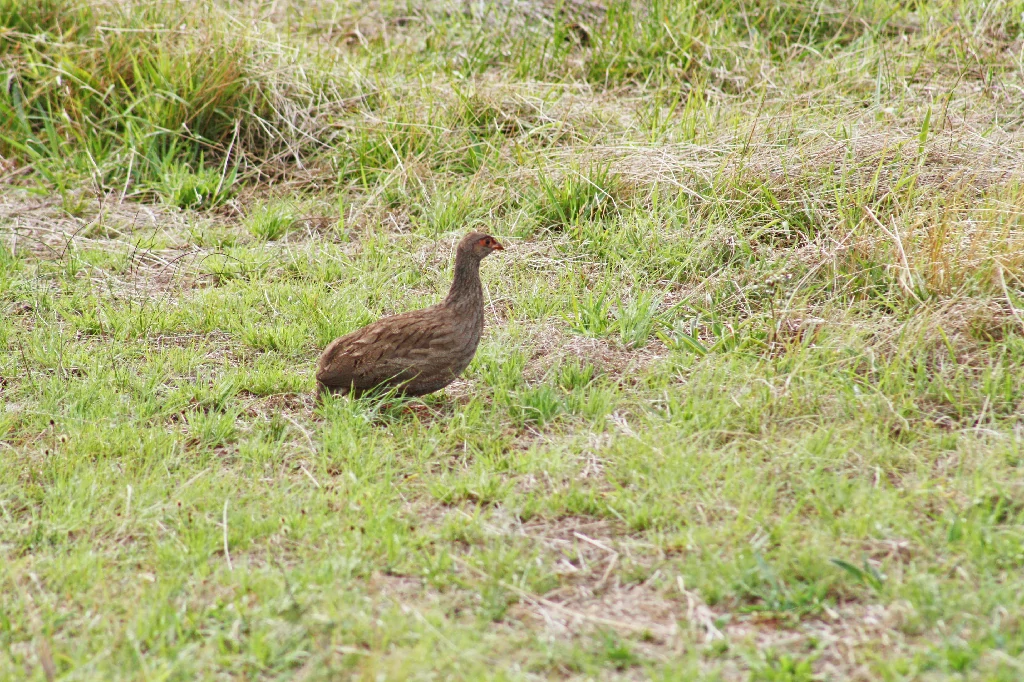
[(417, 352)]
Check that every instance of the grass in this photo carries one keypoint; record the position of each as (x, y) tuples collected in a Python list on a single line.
[(748, 405)]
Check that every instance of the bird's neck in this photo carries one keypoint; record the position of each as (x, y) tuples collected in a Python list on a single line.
[(466, 289)]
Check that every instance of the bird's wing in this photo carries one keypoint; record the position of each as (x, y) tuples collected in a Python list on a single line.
[(389, 350)]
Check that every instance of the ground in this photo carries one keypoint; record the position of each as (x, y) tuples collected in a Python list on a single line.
[(749, 400)]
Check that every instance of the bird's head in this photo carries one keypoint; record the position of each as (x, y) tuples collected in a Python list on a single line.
[(480, 245)]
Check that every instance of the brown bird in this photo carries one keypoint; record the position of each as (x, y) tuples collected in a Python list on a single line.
[(420, 351)]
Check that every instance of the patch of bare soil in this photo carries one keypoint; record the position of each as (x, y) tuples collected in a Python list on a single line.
[(554, 344), (844, 639), (153, 241)]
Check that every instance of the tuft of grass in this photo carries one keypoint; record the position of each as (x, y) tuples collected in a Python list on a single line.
[(578, 196), (67, 19), (637, 319), (591, 314), (271, 221), (185, 188), (575, 375), (537, 405), (136, 101)]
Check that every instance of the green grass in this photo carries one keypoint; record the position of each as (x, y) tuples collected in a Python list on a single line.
[(749, 401)]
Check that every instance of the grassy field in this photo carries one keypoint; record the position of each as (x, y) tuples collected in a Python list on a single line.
[(750, 399)]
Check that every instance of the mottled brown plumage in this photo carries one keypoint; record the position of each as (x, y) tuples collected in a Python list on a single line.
[(420, 351)]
